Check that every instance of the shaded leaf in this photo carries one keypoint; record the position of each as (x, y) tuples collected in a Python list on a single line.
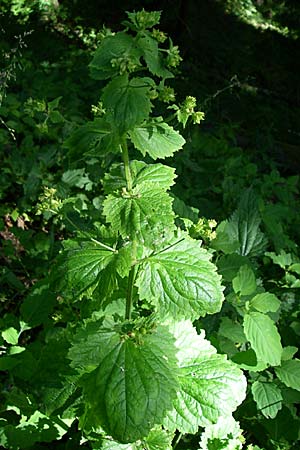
[(127, 102)]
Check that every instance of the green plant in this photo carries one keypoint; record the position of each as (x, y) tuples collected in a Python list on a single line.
[(119, 360)]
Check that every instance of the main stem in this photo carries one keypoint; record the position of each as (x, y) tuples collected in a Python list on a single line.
[(126, 164), (130, 292), (132, 272)]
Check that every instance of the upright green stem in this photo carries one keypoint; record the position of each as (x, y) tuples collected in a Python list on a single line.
[(130, 292), (126, 164)]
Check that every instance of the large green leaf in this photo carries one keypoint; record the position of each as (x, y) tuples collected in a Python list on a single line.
[(135, 380), (289, 373), (127, 102), (181, 281), (157, 174), (157, 139), (267, 397), (210, 385), (94, 138), (143, 213), (263, 335), (120, 45)]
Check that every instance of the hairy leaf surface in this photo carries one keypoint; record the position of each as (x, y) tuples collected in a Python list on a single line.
[(210, 385), (93, 138), (127, 102), (121, 45), (181, 281), (134, 382), (157, 139), (157, 174), (141, 213)]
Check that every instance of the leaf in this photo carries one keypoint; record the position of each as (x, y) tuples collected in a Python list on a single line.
[(288, 352), (226, 434), (265, 302), (247, 360), (157, 439), (283, 259), (120, 45), (144, 213), (91, 265), (38, 305), (36, 428), (289, 373), (267, 397), (157, 139), (229, 265), (181, 281), (94, 138), (242, 229), (152, 57), (157, 174), (244, 283), (127, 102), (10, 335), (134, 382), (232, 330), (210, 385), (263, 335)]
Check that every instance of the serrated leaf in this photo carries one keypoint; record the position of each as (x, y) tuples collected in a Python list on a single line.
[(241, 233), (127, 102), (244, 283), (153, 58), (157, 139), (91, 266), (265, 302), (181, 281), (35, 310), (211, 386), (289, 373), (226, 434), (94, 138), (232, 330), (267, 397), (263, 335), (121, 45), (143, 213), (36, 428), (229, 265), (157, 439), (247, 360), (134, 383), (157, 174)]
